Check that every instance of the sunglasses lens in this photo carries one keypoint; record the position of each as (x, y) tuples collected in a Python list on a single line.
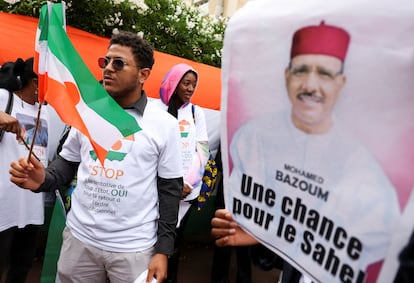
[(103, 62), (118, 64)]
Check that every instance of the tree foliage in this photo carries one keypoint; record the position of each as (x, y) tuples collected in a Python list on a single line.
[(169, 25)]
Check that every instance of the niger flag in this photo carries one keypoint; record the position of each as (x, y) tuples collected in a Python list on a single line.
[(66, 83)]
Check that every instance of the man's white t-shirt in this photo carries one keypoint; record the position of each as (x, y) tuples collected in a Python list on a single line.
[(115, 206)]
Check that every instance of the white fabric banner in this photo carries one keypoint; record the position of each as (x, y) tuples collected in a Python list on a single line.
[(318, 154)]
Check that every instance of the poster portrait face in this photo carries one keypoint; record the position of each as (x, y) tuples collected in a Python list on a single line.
[(314, 84), (325, 127)]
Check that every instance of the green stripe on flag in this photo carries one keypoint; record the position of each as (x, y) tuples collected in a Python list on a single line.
[(93, 94), (43, 23), (53, 244)]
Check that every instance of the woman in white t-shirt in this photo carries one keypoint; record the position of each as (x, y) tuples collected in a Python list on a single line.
[(21, 211), (176, 91)]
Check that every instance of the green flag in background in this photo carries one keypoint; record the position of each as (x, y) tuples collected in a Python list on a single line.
[(54, 242)]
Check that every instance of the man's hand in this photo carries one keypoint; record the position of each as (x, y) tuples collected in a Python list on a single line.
[(27, 175), (186, 191), (226, 231), (9, 123), (158, 268)]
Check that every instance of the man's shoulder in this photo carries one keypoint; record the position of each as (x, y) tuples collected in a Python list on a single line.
[(155, 113), (264, 121), (152, 109), (156, 102)]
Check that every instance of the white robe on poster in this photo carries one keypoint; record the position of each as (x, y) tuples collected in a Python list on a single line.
[(359, 197)]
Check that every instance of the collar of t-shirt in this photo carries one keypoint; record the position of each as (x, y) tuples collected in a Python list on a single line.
[(140, 104)]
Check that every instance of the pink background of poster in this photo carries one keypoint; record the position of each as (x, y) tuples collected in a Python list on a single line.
[(377, 103)]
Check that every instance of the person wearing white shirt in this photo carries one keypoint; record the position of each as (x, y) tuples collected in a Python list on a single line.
[(176, 90)]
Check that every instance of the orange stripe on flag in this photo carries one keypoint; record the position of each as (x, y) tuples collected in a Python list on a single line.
[(64, 99)]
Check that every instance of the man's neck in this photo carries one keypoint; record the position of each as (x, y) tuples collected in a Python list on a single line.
[(126, 101), (314, 129)]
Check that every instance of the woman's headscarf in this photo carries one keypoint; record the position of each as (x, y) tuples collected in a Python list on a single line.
[(172, 79)]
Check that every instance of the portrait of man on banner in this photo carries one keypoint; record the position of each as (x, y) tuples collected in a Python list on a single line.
[(299, 180)]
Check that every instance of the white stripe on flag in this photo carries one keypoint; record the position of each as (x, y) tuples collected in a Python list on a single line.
[(93, 121)]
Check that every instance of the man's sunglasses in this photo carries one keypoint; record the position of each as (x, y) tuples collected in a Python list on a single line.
[(117, 63)]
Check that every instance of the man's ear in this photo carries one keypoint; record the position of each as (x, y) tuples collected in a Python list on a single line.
[(144, 74), (287, 75), (342, 80)]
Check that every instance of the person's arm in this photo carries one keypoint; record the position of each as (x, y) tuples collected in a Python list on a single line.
[(198, 165), (59, 172), (226, 231), (9, 123), (194, 175), (33, 176), (158, 268), (169, 187), (169, 194)]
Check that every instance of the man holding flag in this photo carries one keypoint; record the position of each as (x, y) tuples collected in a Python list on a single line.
[(124, 208)]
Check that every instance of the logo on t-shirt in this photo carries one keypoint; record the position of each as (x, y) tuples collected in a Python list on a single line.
[(184, 128), (118, 151)]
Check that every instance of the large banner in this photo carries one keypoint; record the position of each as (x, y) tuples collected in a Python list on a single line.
[(318, 132)]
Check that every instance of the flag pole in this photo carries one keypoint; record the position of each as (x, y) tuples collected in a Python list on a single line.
[(35, 131)]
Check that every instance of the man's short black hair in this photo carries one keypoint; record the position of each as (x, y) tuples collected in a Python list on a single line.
[(142, 50)]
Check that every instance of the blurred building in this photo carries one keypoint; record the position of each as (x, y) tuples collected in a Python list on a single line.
[(217, 8)]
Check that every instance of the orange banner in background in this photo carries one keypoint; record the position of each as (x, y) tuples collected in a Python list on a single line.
[(17, 37)]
